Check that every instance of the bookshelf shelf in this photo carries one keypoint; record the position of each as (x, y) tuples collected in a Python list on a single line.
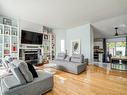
[(48, 43)]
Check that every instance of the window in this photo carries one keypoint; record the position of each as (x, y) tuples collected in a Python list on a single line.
[(116, 48), (120, 48), (62, 46)]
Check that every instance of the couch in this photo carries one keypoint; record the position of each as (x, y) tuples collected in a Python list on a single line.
[(21, 82), (74, 64)]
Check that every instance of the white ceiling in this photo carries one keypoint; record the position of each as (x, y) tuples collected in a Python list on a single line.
[(65, 13), (105, 28)]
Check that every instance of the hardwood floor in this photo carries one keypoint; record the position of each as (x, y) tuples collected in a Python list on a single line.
[(94, 81)]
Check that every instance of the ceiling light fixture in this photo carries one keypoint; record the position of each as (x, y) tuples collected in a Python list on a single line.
[(116, 34)]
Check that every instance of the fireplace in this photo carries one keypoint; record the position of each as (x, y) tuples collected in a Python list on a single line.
[(31, 56)]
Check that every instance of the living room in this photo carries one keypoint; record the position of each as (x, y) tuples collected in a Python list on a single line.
[(63, 47)]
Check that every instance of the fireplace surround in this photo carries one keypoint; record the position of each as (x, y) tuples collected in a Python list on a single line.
[(32, 56)]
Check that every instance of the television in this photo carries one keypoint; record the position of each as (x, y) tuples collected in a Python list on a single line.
[(28, 37)]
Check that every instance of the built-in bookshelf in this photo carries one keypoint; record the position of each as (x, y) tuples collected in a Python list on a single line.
[(48, 43), (9, 43), (98, 53), (53, 45)]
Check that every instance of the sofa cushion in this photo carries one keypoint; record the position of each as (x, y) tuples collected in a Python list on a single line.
[(79, 58), (32, 70), (67, 58), (24, 69), (39, 86), (16, 72), (61, 56), (11, 81)]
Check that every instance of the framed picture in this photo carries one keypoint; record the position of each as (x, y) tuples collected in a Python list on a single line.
[(46, 37), (75, 46), (7, 21)]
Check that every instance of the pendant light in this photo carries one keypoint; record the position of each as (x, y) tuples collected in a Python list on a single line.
[(116, 34)]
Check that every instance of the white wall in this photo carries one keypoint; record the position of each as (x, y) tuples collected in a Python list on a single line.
[(91, 44), (26, 25), (60, 35), (85, 34)]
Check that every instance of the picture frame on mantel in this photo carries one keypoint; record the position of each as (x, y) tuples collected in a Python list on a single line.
[(75, 46)]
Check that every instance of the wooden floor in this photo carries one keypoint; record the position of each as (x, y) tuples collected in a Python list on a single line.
[(94, 81)]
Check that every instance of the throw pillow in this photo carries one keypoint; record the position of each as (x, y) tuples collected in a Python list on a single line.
[(16, 72), (78, 58), (61, 56), (32, 70), (24, 69), (67, 59)]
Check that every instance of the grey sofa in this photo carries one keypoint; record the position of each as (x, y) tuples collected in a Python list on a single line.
[(18, 84), (74, 64)]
